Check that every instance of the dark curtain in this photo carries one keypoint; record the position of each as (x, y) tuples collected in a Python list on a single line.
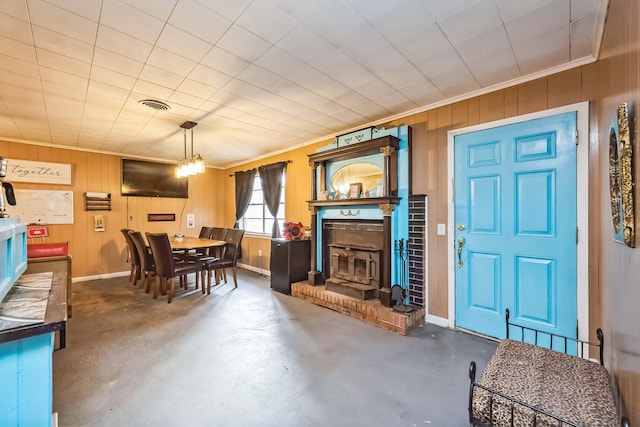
[(244, 189), (271, 181)]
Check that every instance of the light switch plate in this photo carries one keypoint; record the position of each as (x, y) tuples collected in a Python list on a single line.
[(442, 230)]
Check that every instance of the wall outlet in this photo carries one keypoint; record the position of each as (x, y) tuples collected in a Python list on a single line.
[(259, 252), (441, 230), (131, 218)]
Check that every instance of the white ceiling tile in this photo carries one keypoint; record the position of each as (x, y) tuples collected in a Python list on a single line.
[(483, 45), (304, 44), (19, 66), (169, 61), (209, 77), (70, 80), (185, 100), (441, 10), (61, 21), (160, 9), (389, 10), (476, 19), (17, 9), (118, 63), (532, 48), (131, 21), (59, 43), (539, 22), (196, 88), (231, 10), (160, 77), (243, 43), (111, 77), (258, 76), (150, 90), (337, 20), (455, 82), (16, 49), (237, 88), (583, 8), (123, 44), (510, 10), (89, 9), (498, 67), (224, 61), (182, 43), (318, 82), (199, 20), (13, 84), (278, 61), (272, 29), (582, 37), (63, 63), (14, 28), (446, 59)]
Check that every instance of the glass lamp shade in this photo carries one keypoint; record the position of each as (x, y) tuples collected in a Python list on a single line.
[(199, 163)]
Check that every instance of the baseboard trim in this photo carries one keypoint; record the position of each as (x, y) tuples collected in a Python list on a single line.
[(436, 320), (255, 269), (100, 276)]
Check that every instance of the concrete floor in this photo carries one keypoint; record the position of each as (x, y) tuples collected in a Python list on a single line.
[(251, 357)]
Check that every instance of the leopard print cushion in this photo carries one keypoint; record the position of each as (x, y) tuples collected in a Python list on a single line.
[(572, 388)]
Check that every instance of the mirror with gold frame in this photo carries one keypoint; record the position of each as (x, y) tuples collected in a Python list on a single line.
[(368, 174), (621, 178)]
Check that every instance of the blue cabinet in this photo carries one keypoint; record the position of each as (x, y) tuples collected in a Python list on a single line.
[(13, 253)]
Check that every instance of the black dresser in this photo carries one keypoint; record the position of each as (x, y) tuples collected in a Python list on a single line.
[(290, 263)]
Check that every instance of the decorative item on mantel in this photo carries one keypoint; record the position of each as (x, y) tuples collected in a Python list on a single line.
[(94, 201)]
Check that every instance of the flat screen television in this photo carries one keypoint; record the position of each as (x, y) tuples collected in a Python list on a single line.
[(151, 179)]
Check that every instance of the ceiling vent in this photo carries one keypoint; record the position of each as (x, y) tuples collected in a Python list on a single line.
[(155, 104)]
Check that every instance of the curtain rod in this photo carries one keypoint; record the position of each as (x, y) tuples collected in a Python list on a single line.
[(286, 161)]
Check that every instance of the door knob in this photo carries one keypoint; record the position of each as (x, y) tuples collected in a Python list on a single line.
[(461, 242), (461, 227)]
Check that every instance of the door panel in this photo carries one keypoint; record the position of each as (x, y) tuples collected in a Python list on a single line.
[(515, 209)]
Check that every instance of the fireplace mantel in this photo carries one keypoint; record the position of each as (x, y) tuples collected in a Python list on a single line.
[(391, 200)]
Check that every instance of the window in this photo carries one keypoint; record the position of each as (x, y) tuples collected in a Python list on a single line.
[(257, 219)]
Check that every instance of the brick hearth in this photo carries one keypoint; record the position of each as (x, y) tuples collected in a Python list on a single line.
[(370, 311)]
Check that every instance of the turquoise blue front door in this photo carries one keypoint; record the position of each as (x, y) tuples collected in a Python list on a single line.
[(515, 226)]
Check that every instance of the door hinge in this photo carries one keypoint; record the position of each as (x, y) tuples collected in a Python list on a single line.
[(576, 235), (577, 138)]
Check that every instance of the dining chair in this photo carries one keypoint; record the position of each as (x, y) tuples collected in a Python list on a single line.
[(196, 254), (167, 268), (147, 263), (229, 258), (133, 257)]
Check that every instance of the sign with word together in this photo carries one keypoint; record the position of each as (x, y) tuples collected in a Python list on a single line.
[(38, 172)]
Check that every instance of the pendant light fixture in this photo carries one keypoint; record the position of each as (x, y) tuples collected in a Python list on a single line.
[(189, 165)]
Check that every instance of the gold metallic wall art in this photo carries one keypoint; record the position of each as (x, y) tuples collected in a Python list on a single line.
[(621, 183)]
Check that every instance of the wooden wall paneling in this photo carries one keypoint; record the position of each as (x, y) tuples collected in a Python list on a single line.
[(439, 299), (79, 247), (115, 220), (491, 106), (532, 96), (431, 189), (564, 88), (474, 111), (510, 101)]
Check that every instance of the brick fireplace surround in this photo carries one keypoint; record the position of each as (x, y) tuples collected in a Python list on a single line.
[(370, 311)]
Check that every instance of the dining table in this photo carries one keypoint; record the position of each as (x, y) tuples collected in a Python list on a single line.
[(183, 243), (189, 243)]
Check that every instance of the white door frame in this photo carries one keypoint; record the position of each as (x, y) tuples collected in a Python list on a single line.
[(582, 200)]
